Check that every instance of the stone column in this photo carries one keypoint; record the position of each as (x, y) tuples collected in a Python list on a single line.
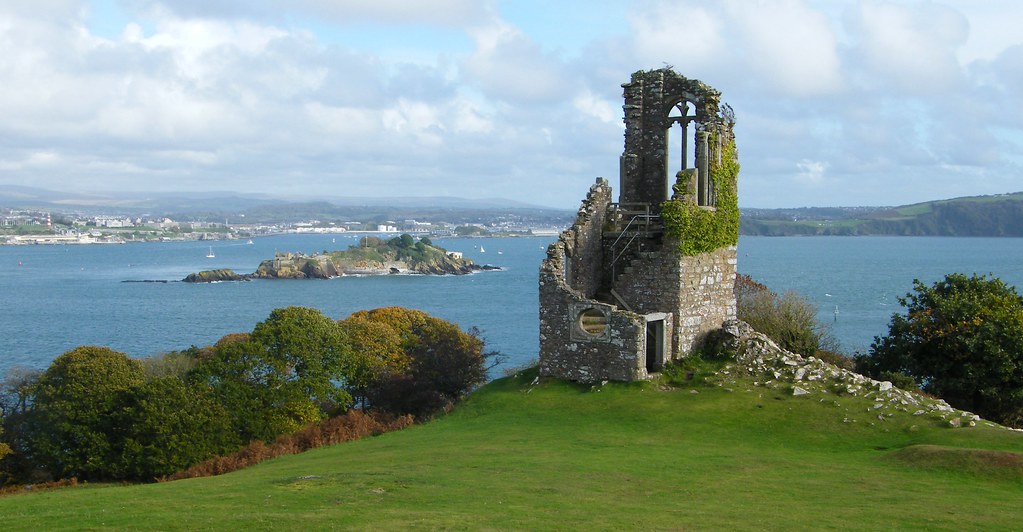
[(702, 163), (685, 140)]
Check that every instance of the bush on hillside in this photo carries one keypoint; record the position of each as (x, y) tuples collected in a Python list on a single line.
[(67, 429), (164, 426), (789, 319), (960, 339), (349, 426), (441, 362)]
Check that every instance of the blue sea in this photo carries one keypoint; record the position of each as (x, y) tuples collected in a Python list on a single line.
[(58, 297)]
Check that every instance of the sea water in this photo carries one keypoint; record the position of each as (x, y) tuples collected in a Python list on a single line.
[(55, 298)]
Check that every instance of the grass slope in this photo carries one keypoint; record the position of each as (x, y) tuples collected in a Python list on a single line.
[(618, 456)]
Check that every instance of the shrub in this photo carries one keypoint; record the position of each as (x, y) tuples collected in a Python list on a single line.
[(68, 427), (164, 426), (960, 339), (441, 363), (350, 426), (170, 364), (789, 319)]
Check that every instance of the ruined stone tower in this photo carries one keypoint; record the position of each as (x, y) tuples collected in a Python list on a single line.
[(637, 283)]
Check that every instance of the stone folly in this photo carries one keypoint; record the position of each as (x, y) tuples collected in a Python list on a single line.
[(618, 297)]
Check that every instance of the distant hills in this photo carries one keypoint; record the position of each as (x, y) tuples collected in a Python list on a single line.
[(260, 208), (997, 215)]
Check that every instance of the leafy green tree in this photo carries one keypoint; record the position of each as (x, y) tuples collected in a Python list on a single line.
[(960, 339), (171, 364), (254, 391), (68, 426), (310, 351), (449, 361), (292, 370), (165, 426), (5, 449), (378, 351)]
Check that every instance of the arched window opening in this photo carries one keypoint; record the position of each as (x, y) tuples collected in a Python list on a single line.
[(681, 141)]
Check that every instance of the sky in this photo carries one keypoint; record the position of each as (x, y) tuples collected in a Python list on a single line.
[(837, 102)]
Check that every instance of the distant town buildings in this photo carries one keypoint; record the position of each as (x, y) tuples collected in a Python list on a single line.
[(44, 227)]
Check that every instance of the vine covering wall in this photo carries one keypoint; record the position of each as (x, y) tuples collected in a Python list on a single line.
[(699, 229)]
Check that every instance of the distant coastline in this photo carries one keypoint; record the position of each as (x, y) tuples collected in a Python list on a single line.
[(998, 215)]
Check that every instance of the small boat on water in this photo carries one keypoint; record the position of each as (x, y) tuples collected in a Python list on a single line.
[(210, 255), (482, 250), (250, 242)]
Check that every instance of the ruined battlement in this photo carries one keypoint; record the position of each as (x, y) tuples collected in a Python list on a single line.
[(636, 283)]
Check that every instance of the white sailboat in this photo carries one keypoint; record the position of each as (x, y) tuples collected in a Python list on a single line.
[(481, 249), (210, 255)]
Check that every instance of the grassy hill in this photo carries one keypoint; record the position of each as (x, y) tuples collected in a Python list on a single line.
[(997, 215), (526, 455)]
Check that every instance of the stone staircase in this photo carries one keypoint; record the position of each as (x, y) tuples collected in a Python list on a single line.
[(636, 234)]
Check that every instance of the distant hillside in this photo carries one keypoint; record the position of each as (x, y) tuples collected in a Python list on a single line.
[(998, 215), (264, 208)]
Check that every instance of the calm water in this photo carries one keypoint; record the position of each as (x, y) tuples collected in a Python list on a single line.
[(862, 277), (58, 297)]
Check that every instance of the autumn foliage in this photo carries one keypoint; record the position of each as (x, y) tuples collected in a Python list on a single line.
[(287, 386)]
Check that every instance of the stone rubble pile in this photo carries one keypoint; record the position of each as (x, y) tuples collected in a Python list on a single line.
[(774, 368)]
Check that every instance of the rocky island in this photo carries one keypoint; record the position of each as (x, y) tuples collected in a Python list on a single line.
[(371, 256)]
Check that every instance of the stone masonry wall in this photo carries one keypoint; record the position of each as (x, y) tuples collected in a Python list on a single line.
[(567, 353), (569, 277), (583, 243), (649, 98), (698, 291)]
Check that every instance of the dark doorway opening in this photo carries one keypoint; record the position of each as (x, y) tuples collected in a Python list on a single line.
[(654, 345)]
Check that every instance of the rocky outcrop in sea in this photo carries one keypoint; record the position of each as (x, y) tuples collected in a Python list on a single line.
[(371, 257)]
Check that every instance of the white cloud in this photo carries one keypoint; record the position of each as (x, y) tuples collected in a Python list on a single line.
[(789, 45), (507, 65), (689, 34), (911, 47), (590, 104), (810, 172), (443, 12)]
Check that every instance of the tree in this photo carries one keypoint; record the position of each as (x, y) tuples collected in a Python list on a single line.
[(310, 351), (165, 426), (16, 391), (960, 339), (441, 363), (378, 351), (292, 370), (69, 423)]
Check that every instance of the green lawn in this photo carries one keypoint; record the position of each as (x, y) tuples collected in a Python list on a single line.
[(620, 456)]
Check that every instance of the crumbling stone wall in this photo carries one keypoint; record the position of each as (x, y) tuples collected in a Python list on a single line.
[(650, 97), (610, 287), (569, 353), (699, 289), (582, 242)]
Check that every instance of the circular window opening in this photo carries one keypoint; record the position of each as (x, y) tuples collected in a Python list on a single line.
[(593, 322)]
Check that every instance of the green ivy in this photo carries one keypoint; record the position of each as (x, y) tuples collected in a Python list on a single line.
[(700, 230)]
